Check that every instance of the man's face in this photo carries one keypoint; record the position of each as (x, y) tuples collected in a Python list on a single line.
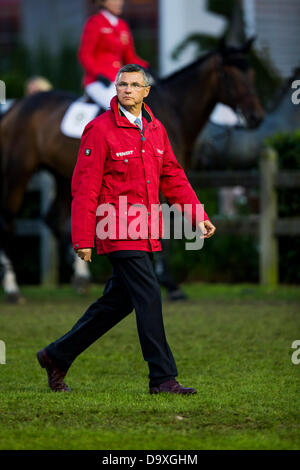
[(131, 89)]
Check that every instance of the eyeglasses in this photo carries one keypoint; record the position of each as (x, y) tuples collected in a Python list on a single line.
[(135, 85)]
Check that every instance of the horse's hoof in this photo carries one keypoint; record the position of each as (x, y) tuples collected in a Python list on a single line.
[(177, 294), (81, 285), (15, 298)]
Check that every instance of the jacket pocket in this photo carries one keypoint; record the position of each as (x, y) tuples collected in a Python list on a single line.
[(118, 165), (158, 155), (128, 164)]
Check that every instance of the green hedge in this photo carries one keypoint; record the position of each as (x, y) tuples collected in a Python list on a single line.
[(223, 258), (63, 69)]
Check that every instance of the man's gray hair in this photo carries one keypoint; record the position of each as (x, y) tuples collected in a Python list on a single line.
[(135, 68)]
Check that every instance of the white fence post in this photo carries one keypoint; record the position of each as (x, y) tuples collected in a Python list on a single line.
[(268, 214)]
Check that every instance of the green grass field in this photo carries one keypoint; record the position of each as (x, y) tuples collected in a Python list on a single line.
[(232, 343)]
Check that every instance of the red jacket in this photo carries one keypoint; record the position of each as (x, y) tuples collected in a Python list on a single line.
[(114, 161), (104, 48)]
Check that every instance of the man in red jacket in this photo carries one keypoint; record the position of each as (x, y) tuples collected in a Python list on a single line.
[(125, 153), (106, 45)]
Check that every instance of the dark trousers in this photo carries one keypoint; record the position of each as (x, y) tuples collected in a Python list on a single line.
[(133, 285)]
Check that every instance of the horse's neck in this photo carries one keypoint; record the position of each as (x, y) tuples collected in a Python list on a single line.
[(192, 99), (164, 106)]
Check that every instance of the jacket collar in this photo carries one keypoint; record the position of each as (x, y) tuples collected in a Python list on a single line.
[(122, 120)]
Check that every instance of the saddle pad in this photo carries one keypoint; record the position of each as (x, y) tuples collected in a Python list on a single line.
[(77, 116)]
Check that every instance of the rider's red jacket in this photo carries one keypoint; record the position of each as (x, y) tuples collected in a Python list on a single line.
[(115, 160), (104, 48)]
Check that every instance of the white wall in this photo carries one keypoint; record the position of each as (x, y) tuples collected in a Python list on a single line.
[(179, 19), (277, 25)]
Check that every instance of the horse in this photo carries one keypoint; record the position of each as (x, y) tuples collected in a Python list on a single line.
[(31, 139), (242, 146), (222, 147)]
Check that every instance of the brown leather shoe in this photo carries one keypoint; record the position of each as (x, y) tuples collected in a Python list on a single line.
[(55, 375), (172, 386)]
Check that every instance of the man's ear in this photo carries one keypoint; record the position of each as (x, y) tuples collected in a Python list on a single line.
[(147, 91)]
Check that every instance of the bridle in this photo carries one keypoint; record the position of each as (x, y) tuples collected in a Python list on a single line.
[(224, 78)]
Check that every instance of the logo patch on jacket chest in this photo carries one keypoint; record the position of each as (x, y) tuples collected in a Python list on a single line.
[(122, 154), (106, 30), (87, 152)]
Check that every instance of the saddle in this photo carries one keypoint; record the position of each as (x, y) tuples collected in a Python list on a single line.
[(78, 115)]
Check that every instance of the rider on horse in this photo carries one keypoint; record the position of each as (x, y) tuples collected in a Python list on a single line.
[(106, 45)]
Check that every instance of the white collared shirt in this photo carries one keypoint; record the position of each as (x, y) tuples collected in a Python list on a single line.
[(114, 20), (131, 117)]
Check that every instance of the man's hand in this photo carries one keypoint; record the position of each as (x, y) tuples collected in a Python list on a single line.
[(85, 254), (207, 228)]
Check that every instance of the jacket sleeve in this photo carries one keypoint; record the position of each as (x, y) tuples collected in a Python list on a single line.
[(86, 185), (176, 187), (88, 43), (129, 54)]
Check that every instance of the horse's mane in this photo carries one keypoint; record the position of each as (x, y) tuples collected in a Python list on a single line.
[(188, 68), (284, 89), (226, 52)]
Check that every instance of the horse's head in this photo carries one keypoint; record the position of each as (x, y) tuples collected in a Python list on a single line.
[(236, 82)]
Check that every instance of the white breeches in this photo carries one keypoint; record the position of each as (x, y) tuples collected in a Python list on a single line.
[(100, 93)]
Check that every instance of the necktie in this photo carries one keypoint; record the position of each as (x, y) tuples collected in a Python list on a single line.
[(138, 123)]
